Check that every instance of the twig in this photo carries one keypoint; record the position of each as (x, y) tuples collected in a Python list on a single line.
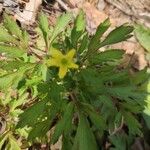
[(69, 4), (119, 128), (63, 5), (49, 12)]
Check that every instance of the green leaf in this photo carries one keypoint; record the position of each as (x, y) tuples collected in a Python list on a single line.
[(108, 55), (30, 115), (56, 90), (143, 35), (11, 51), (95, 117), (13, 144), (132, 123), (146, 116), (12, 26), (119, 34), (25, 40), (6, 37), (44, 26), (80, 22), (84, 43), (90, 81), (15, 103), (106, 100), (115, 77), (44, 122), (79, 28), (61, 23), (95, 41), (3, 138), (118, 120), (119, 141), (10, 80), (68, 115), (84, 139), (67, 144), (39, 130), (126, 93), (146, 111), (11, 65), (132, 107), (64, 124), (109, 116), (140, 77)]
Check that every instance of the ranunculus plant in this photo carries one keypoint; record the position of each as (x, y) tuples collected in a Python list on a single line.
[(64, 87)]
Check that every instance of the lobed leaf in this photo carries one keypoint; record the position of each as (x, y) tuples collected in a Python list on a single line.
[(84, 43), (31, 115), (132, 123), (64, 124), (95, 41), (94, 116), (79, 28), (119, 34), (5, 37), (13, 144), (10, 80), (12, 64), (143, 35), (106, 56), (39, 130), (84, 139), (12, 27), (44, 26), (61, 23), (3, 138), (119, 141), (11, 51)]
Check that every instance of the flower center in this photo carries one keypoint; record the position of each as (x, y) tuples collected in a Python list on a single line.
[(64, 61)]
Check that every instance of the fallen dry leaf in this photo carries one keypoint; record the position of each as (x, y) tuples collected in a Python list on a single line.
[(29, 13), (93, 17)]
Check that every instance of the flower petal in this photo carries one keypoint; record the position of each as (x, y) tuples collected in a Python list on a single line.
[(70, 54), (73, 65), (52, 62), (62, 72), (56, 53)]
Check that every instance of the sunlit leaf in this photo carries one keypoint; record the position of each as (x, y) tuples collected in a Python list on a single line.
[(12, 26), (3, 138), (61, 24), (79, 27), (11, 51), (13, 144), (143, 35)]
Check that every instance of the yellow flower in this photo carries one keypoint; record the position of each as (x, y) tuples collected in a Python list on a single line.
[(64, 62)]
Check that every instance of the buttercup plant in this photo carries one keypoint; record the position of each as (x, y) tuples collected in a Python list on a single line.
[(69, 89)]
